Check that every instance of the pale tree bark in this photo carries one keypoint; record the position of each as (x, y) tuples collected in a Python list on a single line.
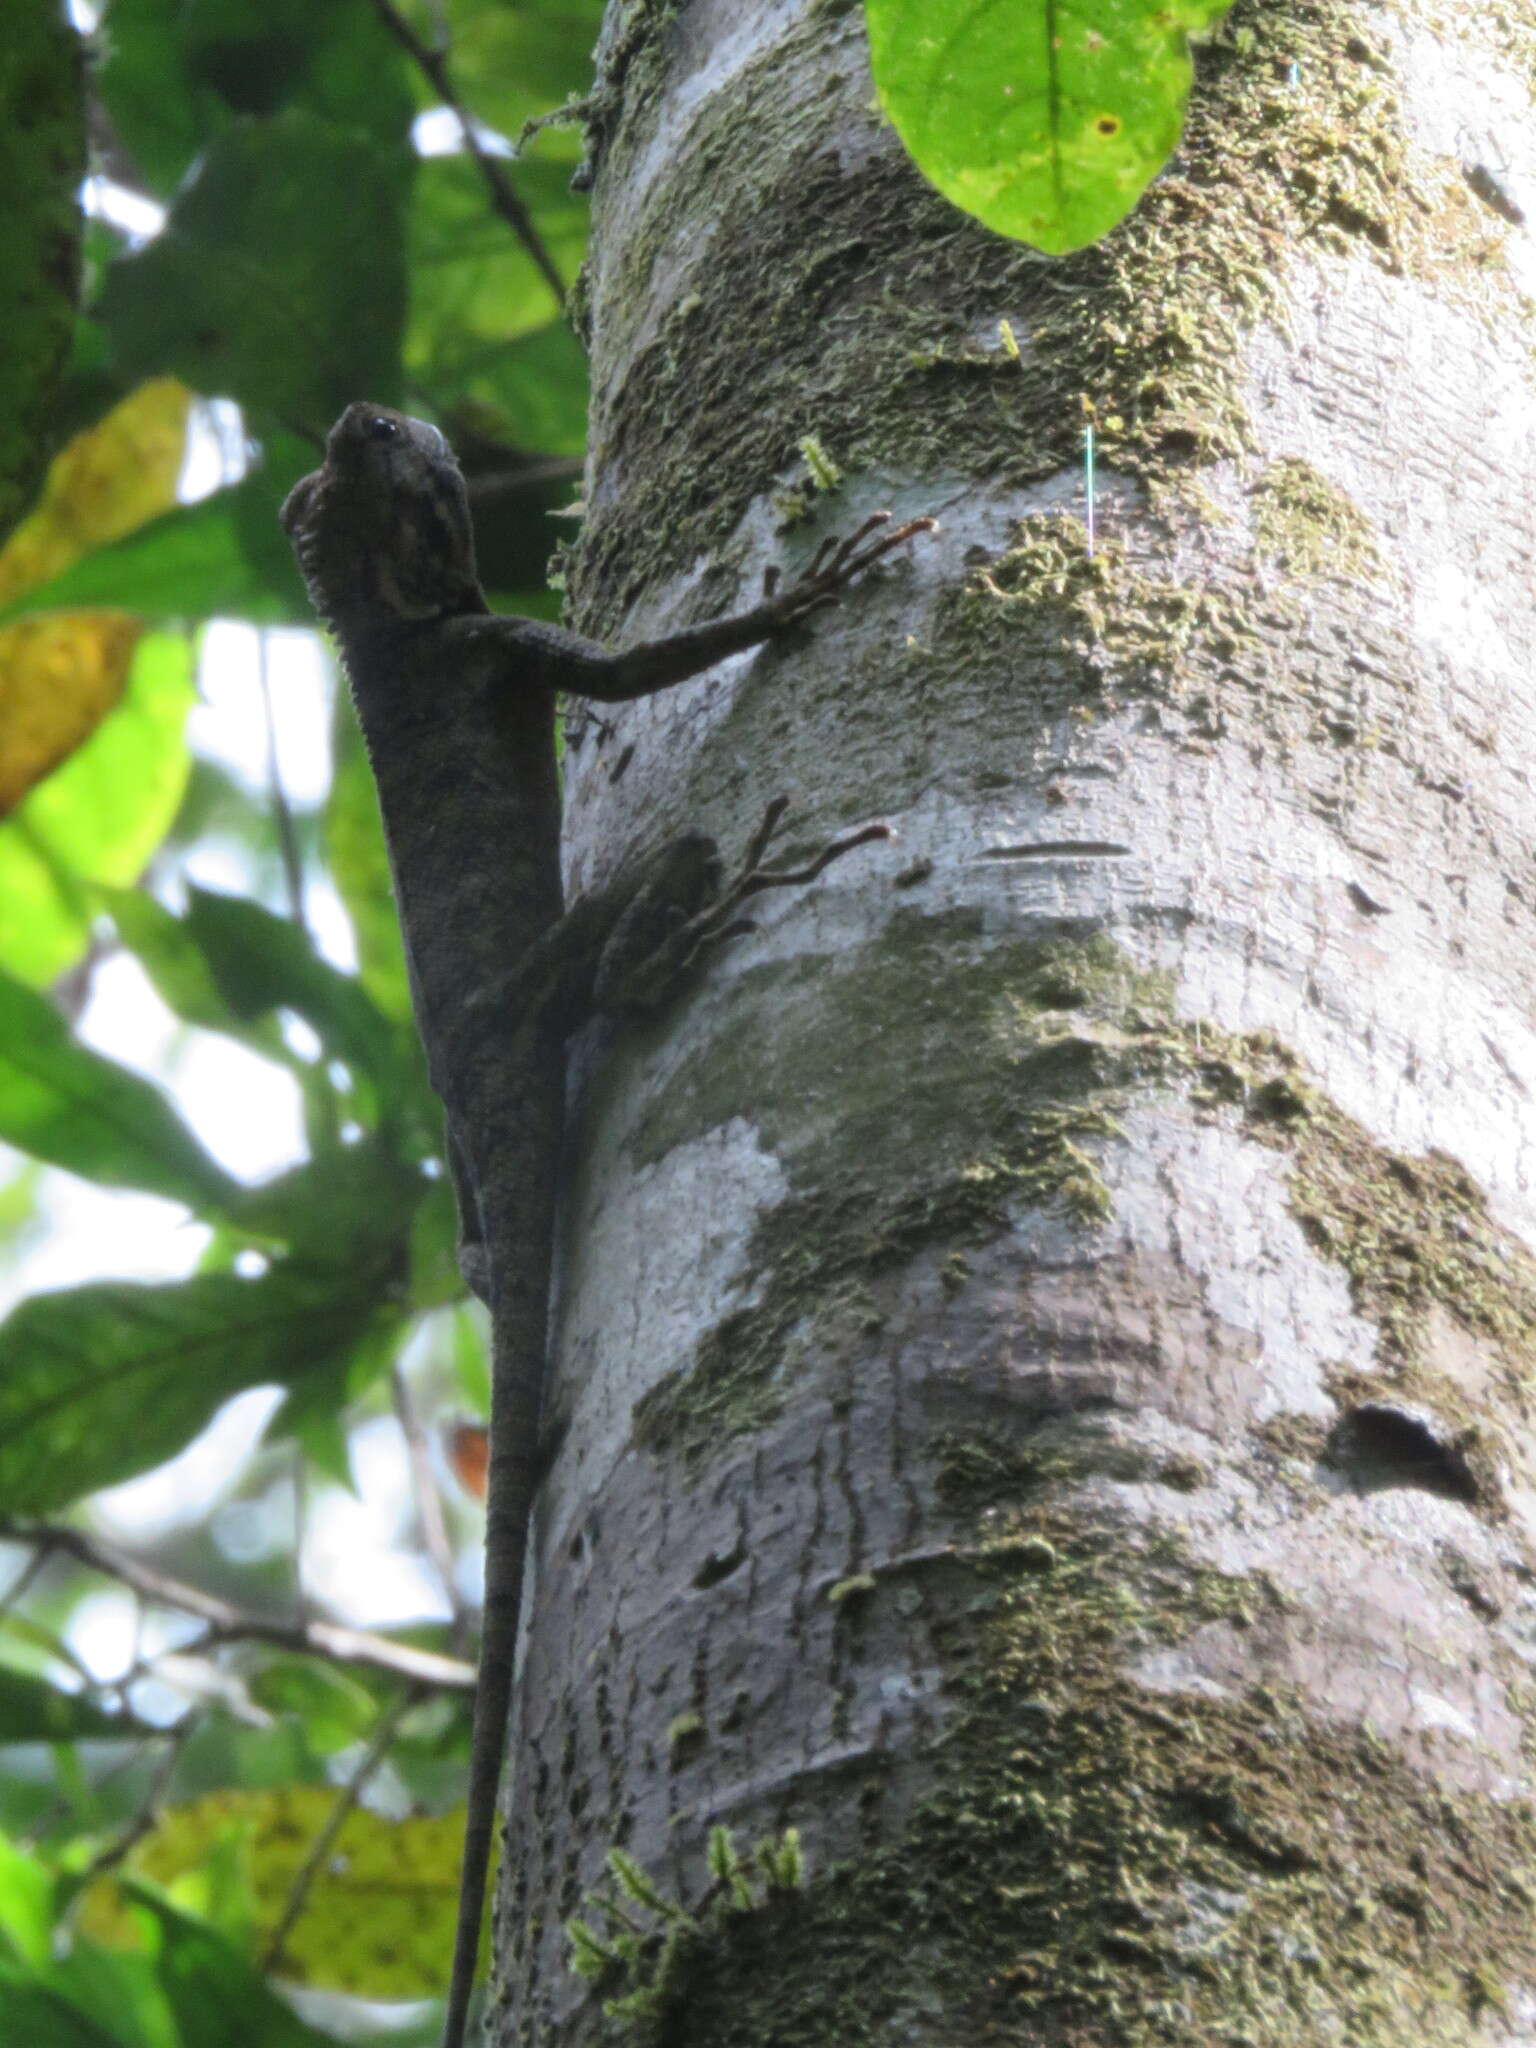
[(1047, 1331)]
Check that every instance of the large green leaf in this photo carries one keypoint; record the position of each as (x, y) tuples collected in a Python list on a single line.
[(176, 75), (32, 2016), (474, 287), (262, 963), (66, 1104), (42, 160), (96, 819), (98, 1383), (359, 864), (279, 277), (119, 1992), (225, 555), (32, 1710), (353, 1203), (218, 1999), (379, 1915), (1047, 119)]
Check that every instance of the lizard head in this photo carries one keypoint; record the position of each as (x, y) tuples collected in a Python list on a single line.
[(382, 528)]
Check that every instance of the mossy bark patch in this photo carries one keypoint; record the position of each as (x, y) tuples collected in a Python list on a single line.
[(1005, 1093), (1012, 1089), (1294, 143), (1309, 526), (1100, 1863), (1419, 1246)]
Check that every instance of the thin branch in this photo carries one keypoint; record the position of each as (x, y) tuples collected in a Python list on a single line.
[(227, 1623), (434, 67), (506, 483), (16, 1591), (148, 1814), (320, 1848)]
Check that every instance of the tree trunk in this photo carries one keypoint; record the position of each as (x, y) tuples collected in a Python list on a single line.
[(1046, 1328)]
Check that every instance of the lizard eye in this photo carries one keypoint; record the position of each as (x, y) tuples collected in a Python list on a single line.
[(382, 429)]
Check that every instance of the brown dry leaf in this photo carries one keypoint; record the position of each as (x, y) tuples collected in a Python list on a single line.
[(109, 480), (469, 1456)]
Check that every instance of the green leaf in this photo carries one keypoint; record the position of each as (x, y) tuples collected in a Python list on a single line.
[(66, 1104), (354, 1202), (26, 1905), (96, 819), (279, 277), (175, 75), (118, 1992), (225, 555), (32, 1710), (42, 161), (180, 971), (1047, 119), (98, 1383), (536, 389), (262, 962), (359, 863), (218, 1999), (335, 1708), (31, 2013), (475, 288), (379, 1916)]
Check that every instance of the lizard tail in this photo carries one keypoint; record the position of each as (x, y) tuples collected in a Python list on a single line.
[(516, 1380)]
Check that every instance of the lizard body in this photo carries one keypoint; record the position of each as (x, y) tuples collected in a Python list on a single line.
[(457, 707)]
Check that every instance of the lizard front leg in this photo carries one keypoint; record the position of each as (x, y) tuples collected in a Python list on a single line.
[(528, 651)]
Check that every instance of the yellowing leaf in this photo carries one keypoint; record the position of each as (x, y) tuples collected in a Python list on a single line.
[(378, 1919), (109, 480), (59, 677), (97, 818)]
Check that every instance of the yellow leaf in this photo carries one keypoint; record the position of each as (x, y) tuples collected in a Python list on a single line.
[(378, 1919), (108, 481), (59, 677)]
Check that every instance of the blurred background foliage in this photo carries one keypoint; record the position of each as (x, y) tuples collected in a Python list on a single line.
[(234, 1687)]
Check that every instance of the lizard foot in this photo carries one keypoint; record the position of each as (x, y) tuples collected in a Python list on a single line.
[(718, 923), (836, 563)]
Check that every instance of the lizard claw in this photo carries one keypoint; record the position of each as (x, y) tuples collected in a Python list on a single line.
[(837, 561), (718, 924)]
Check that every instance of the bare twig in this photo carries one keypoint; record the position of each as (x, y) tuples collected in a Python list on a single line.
[(523, 476), (434, 67), (149, 1810), (16, 1591), (347, 1798), (227, 1623)]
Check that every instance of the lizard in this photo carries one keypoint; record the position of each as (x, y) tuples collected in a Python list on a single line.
[(457, 707)]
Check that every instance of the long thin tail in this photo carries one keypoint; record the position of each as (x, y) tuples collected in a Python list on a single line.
[(512, 1482)]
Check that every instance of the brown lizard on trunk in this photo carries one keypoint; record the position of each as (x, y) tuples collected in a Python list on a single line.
[(457, 707)]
